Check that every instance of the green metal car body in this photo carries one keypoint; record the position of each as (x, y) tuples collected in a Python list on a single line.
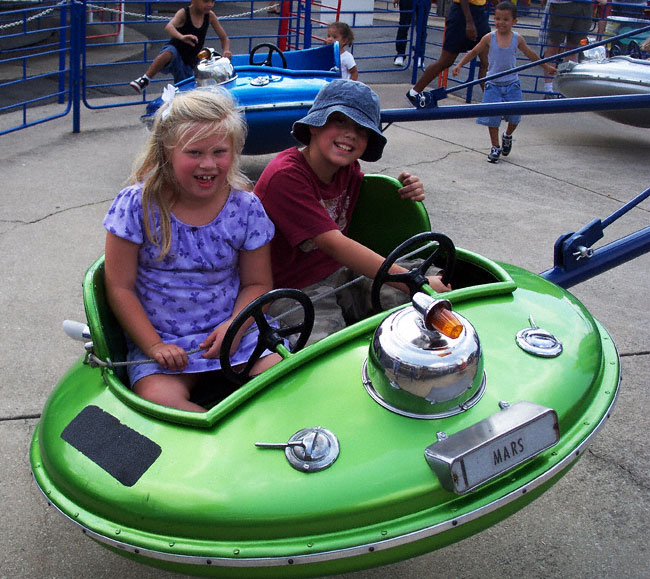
[(196, 492)]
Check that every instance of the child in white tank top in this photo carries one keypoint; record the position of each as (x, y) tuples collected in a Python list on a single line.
[(502, 45)]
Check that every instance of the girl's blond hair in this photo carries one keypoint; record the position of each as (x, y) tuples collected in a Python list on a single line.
[(196, 114)]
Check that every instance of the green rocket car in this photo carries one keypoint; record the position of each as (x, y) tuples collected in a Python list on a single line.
[(401, 434)]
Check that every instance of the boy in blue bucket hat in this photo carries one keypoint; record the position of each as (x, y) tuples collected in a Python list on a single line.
[(310, 194)]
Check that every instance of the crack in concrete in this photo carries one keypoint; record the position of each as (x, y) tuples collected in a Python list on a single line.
[(636, 478), (53, 213), (20, 417)]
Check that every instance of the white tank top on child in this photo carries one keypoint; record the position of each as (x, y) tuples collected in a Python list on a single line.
[(501, 59), (347, 62)]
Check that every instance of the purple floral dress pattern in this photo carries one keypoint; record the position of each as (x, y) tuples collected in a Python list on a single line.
[(193, 289)]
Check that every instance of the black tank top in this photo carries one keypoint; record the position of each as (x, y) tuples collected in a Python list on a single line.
[(187, 51)]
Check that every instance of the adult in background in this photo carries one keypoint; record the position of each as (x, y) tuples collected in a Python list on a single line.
[(405, 20), (568, 23), (465, 25)]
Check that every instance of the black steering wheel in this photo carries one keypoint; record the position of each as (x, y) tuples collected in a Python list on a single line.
[(268, 60), (634, 50), (268, 338), (616, 49), (414, 278)]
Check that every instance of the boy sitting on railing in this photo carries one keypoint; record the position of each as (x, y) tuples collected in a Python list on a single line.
[(187, 29)]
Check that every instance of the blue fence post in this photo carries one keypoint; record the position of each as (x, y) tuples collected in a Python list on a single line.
[(77, 29), (299, 14), (306, 43), (472, 71), (63, 39)]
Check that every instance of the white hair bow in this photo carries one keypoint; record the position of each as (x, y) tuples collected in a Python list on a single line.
[(168, 94)]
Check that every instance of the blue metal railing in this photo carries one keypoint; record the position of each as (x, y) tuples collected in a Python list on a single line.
[(52, 52), (26, 84)]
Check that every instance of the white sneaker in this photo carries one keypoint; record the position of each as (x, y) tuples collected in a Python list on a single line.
[(419, 62), (399, 60)]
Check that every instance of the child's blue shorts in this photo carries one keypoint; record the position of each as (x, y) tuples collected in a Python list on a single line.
[(176, 66), (495, 93)]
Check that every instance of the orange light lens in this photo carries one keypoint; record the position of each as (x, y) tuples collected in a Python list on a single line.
[(445, 322)]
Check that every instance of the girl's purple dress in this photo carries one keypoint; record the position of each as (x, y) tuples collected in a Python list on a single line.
[(193, 289)]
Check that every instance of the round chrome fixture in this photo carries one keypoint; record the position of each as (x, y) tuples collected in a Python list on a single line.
[(538, 342), (308, 450), (214, 71), (414, 370)]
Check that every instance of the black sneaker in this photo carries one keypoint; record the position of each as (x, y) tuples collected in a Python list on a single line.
[(412, 99), (139, 84), (506, 144), (494, 155), (423, 100)]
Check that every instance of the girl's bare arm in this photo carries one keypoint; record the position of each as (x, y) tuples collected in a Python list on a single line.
[(221, 33), (121, 268)]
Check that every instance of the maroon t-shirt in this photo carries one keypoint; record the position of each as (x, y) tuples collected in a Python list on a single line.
[(302, 207)]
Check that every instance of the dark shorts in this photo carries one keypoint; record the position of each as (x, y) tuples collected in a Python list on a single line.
[(456, 40), (569, 21), (176, 66)]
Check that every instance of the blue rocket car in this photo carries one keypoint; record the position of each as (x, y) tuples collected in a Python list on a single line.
[(272, 88)]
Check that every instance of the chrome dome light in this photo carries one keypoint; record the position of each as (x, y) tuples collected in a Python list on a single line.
[(419, 372), (214, 71)]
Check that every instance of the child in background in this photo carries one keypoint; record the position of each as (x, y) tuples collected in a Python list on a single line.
[(187, 29), (310, 195), (187, 248), (343, 33), (501, 46)]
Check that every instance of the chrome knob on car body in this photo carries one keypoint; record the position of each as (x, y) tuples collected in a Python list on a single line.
[(308, 450)]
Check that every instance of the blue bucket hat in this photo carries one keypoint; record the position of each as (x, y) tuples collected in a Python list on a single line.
[(356, 101)]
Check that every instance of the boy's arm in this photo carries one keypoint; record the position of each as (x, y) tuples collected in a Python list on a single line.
[(470, 27), (354, 73), (412, 188), (533, 56), (176, 22), (362, 259), (483, 44), (221, 33)]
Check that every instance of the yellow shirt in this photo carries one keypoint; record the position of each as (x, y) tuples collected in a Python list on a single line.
[(475, 2)]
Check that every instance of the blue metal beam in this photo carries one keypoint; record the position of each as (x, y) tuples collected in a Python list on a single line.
[(602, 259), (536, 107)]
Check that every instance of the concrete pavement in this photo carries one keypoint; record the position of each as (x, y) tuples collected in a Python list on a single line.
[(563, 171)]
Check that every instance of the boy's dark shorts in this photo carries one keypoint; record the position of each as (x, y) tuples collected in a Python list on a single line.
[(456, 40), (176, 66)]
